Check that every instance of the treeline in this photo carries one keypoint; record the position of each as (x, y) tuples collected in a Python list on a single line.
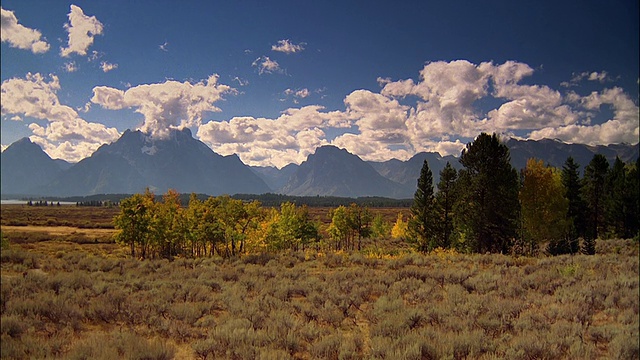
[(42, 203), (485, 207), (228, 227), (216, 226), (271, 199), (97, 203), (488, 206)]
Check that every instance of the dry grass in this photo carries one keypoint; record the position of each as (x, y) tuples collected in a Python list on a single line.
[(71, 293), (71, 301)]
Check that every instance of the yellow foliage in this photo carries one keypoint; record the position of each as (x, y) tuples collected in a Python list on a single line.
[(400, 228)]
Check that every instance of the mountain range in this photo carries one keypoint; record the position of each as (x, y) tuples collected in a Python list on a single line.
[(136, 161)]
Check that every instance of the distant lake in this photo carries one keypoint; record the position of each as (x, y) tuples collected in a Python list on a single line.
[(24, 202)]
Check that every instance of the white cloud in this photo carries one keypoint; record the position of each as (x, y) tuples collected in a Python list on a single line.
[(82, 29), (287, 47), (438, 112), (623, 127), (601, 77), (37, 98), (106, 67), (266, 65), (165, 106), (19, 36), (70, 67), (290, 138), (297, 94)]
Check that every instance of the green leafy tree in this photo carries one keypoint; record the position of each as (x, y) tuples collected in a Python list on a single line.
[(339, 230), (379, 227), (359, 220), (422, 225), (544, 207), (445, 199), (133, 222), (487, 208)]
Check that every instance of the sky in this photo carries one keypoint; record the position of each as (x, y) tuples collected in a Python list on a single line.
[(272, 81)]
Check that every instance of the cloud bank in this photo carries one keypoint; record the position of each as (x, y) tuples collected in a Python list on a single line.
[(65, 134), (438, 112), (19, 36)]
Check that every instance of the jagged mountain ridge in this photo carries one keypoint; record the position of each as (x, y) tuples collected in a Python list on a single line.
[(556, 152), (24, 166), (331, 171), (136, 161), (181, 162)]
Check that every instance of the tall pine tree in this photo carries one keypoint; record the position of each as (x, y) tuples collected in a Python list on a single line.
[(576, 212), (593, 191), (422, 222), (615, 208), (487, 209), (445, 198)]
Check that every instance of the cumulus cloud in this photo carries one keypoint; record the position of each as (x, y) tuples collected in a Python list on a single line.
[(19, 36), (266, 65), (165, 106), (439, 111), (36, 97), (82, 29), (287, 47), (290, 138), (623, 127), (106, 67)]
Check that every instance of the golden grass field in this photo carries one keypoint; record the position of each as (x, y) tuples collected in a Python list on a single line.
[(69, 292)]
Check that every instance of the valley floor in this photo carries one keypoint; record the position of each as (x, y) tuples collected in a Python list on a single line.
[(86, 299)]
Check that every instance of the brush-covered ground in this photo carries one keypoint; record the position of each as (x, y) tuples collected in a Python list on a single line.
[(71, 293)]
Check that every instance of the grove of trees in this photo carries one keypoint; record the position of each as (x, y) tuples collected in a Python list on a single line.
[(488, 207), (485, 207)]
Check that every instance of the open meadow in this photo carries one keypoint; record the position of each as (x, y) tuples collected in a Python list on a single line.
[(69, 292)]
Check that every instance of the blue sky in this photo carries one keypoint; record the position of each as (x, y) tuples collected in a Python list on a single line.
[(271, 81)]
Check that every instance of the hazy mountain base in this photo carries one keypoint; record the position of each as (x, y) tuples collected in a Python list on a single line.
[(187, 165)]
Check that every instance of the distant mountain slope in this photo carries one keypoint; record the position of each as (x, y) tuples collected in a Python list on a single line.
[(408, 172), (275, 178), (555, 152), (335, 172), (25, 166), (136, 162)]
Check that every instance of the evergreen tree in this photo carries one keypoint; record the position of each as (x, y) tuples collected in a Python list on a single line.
[(576, 211), (487, 208), (615, 208), (445, 198), (422, 222), (632, 200), (593, 191)]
